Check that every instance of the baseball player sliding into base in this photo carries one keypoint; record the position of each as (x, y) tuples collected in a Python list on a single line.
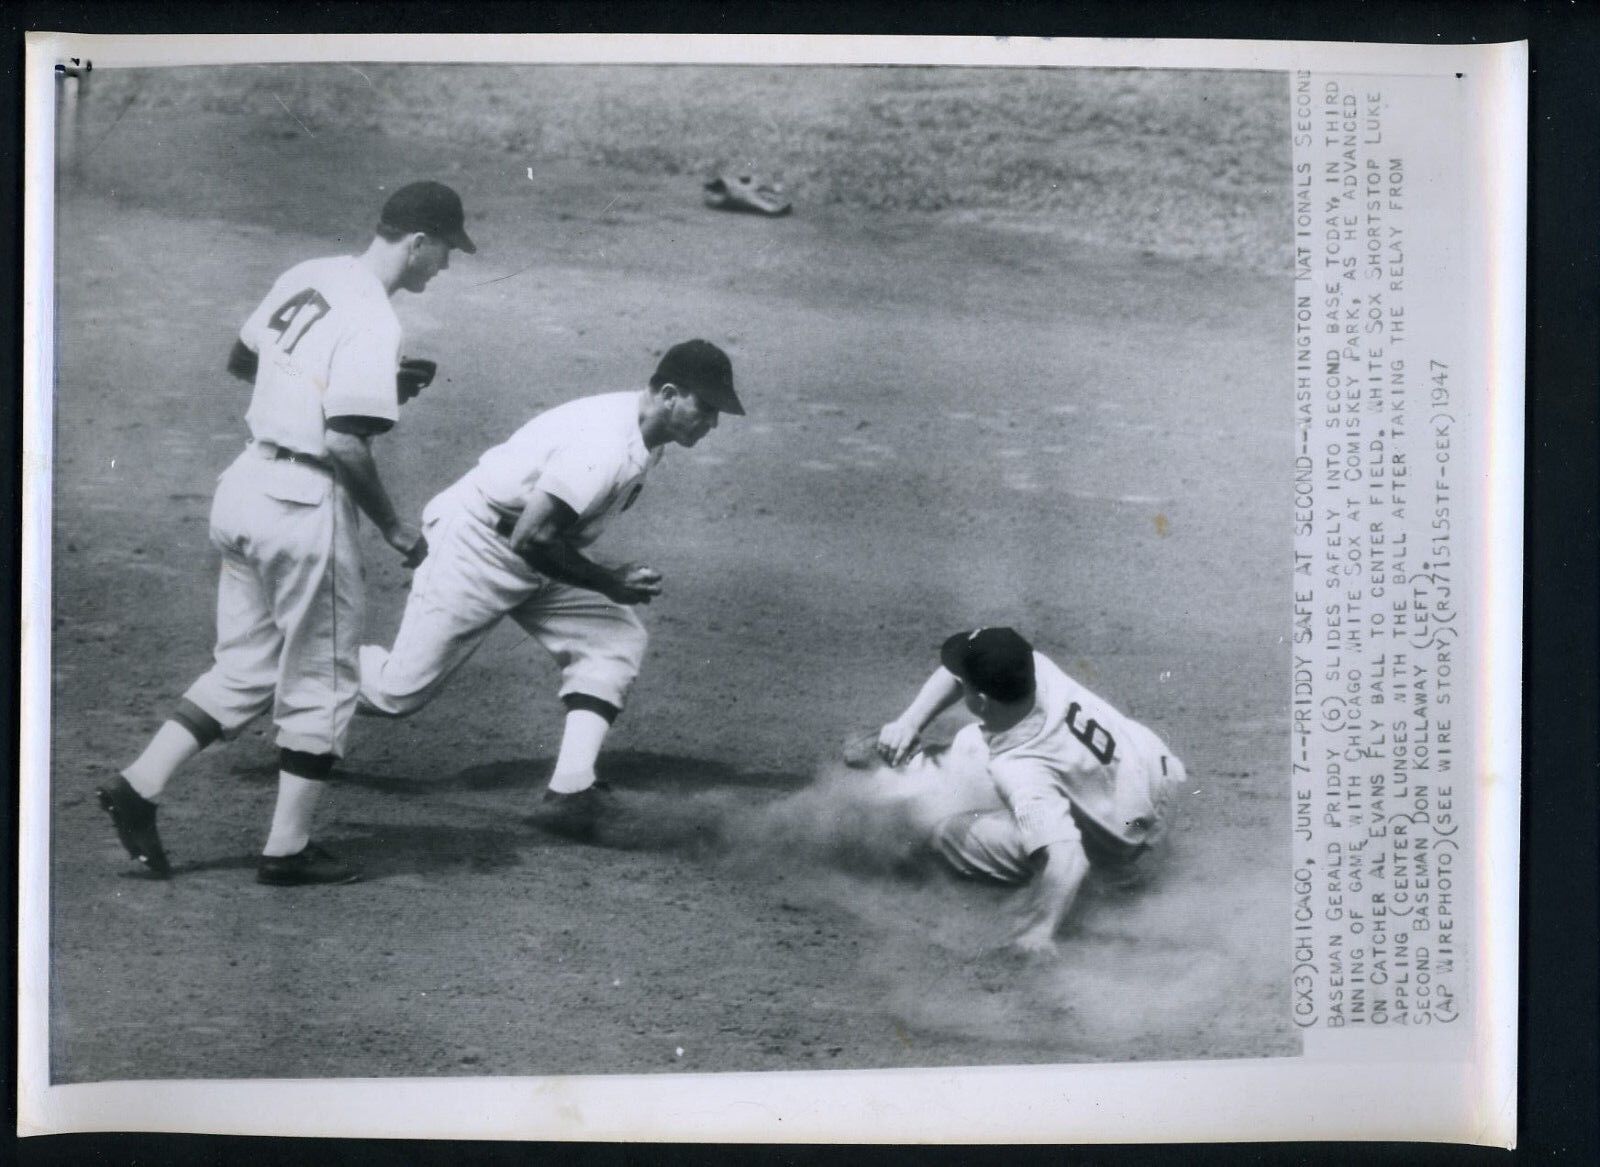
[(323, 353), (511, 538), (1083, 786)]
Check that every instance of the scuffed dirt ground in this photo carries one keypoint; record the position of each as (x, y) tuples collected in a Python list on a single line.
[(950, 423)]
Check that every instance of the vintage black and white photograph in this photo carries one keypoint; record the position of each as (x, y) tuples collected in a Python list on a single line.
[(594, 569)]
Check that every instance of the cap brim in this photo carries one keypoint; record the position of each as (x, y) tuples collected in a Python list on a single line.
[(459, 240), (721, 398)]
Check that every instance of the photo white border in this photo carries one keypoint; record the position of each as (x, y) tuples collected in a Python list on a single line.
[(1315, 1096)]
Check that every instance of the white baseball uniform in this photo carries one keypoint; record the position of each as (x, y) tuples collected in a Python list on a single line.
[(591, 455), (1073, 770), (289, 605)]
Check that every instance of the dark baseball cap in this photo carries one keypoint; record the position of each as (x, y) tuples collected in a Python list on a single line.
[(703, 367), (432, 207), (995, 661)]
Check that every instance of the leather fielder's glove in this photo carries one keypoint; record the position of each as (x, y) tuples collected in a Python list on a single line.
[(746, 192), (415, 375), (861, 750)]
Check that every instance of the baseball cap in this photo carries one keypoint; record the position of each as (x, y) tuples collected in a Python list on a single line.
[(995, 661), (703, 367), (428, 206)]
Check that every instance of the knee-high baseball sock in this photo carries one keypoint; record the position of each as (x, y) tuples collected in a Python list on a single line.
[(291, 817), (172, 746), (581, 739)]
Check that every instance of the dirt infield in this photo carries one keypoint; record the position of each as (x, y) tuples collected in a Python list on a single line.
[(955, 417)]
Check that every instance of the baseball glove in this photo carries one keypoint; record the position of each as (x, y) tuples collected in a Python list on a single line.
[(415, 375), (861, 750), (746, 192)]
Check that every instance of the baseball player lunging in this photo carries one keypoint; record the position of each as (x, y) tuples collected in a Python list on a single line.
[(323, 351), (511, 538), (1083, 786)]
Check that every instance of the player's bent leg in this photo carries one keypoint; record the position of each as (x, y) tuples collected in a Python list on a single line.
[(318, 606), (432, 644), (245, 523), (290, 858), (240, 684), (131, 799), (459, 593), (576, 802), (237, 688), (983, 844), (1169, 782), (1117, 862), (583, 733), (599, 644), (234, 691), (187, 730)]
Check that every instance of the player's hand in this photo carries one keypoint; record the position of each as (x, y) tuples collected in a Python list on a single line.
[(409, 541), (418, 552), (635, 583), (896, 741)]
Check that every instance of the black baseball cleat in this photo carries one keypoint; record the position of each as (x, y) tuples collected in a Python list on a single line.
[(134, 816), (309, 865), (575, 816)]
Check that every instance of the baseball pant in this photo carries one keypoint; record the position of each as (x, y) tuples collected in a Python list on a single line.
[(988, 844), (469, 582), (289, 602)]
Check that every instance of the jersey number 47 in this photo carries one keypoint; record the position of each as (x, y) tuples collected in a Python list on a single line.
[(296, 315)]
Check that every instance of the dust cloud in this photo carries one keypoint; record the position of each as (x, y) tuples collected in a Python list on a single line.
[(1138, 968), (866, 822)]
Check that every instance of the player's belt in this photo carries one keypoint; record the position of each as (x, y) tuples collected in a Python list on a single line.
[(279, 454), (282, 455)]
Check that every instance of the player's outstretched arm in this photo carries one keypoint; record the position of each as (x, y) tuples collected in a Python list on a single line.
[(1059, 872), (358, 470), (897, 739), (542, 537)]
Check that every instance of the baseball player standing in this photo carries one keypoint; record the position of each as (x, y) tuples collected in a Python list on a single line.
[(511, 538), (323, 352), (1083, 786)]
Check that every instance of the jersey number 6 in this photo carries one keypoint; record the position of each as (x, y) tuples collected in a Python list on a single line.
[(296, 315), (1094, 736)]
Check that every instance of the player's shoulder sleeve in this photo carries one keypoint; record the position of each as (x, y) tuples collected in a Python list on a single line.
[(361, 374), (579, 474), (300, 281), (584, 465), (254, 332)]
